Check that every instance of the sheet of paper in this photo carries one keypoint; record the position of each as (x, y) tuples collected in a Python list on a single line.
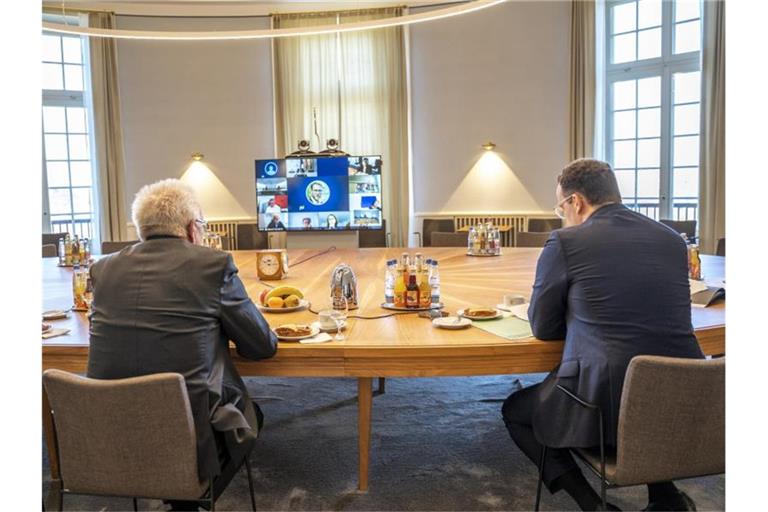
[(318, 338), (520, 311), (697, 286), (52, 333)]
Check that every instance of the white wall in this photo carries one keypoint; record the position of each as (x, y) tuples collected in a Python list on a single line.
[(213, 97), (501, 74)]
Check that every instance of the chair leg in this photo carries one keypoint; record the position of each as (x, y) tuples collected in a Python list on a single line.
[(135, 505), (250, 483), (382, 385), (541, 477)]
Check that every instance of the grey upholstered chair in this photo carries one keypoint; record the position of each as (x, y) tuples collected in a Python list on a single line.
[(249, 237), (110, 247), (127, 437), (671, 424), (430, 226), (542, 225), (531, 239), (445, 239), (53, 239), (50, 251), (374, 237), (682, 226), (720, 251)]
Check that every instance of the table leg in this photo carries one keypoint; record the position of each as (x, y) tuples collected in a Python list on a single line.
[(364, 389)]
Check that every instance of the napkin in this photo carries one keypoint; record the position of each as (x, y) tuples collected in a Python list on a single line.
[(52, 333), (318, 338), (520, 311)]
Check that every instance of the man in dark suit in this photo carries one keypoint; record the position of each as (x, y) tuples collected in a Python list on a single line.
[(168, 304), (613, 284)]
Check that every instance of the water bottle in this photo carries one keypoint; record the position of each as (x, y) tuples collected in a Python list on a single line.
[(389, 282), (434, 283)]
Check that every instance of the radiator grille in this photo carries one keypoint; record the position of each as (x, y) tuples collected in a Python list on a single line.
[(228, 231), (515, 222)]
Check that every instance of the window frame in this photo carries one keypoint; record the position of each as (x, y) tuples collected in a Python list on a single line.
[(665, 66), (70, 98)]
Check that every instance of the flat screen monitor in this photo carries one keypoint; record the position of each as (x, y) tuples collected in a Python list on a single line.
[(319, 193)]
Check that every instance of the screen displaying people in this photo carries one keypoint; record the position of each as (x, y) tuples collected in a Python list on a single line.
[(323, 193)]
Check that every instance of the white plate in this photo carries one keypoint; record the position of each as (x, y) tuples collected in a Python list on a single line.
[(452, 322), (315, 331), (55, 314), (329, 329), (498, 314), (303, 304)]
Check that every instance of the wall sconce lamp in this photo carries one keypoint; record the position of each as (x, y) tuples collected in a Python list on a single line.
[(488, 146), (197, 156)]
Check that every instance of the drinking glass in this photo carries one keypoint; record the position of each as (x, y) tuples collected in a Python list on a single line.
[(339, 315)]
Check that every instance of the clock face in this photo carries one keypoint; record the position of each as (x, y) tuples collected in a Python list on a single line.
[(269, 264)]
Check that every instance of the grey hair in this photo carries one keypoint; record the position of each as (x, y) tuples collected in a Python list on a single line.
[(164, 208)]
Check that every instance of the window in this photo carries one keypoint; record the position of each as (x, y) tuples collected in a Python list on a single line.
[(652, 104), (68, 204)]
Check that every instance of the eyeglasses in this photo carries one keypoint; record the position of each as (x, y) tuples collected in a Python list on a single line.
[(559, 208), (202, 223)]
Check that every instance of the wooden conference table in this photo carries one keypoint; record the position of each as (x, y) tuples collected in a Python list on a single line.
[(403, 345)]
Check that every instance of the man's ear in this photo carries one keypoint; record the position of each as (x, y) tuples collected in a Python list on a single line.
[(191, 232)]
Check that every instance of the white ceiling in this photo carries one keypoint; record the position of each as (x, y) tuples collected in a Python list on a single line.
[(223, 7)]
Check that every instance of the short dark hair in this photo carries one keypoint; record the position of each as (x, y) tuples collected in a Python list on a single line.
[(593, 179)]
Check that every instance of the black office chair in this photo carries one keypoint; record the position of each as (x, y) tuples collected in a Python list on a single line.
[(249, 237), (429, 226), (682, 226), (108, 247), (374, 237), (544, 225), (720, 247)]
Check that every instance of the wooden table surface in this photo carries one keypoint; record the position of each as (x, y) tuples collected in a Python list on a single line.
[(403, 345)]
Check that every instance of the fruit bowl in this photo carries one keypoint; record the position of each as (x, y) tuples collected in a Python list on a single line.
[(282, 299)]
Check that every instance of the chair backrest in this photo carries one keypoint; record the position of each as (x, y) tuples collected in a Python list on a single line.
[(544, 225), (430, 226), (671, 420), (720, 247), (50, 251), (125, 437), (373, 237), (249, 237), (445, 239), (110, 247), (682, 226), (53, 239), (531, 239)]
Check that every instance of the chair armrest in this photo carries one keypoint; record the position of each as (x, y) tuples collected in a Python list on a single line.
[(418, 233), (577, 398), (388, 239)]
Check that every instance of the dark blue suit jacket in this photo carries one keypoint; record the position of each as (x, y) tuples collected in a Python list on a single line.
[(613, 287)]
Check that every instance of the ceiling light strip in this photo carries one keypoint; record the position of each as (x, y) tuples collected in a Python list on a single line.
[(409, 19)]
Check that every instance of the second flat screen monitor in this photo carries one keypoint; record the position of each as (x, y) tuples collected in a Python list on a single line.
[(322, 194)]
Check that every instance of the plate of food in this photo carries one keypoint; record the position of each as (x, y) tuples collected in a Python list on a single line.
[(282, 299), (55, 314), (451, 322), (295, 332), (480, 313), (46, 327)]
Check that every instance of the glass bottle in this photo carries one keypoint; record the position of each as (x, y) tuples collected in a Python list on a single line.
[(400, 287), (412, 293), (425, 291), (434, 284), (62, 252), (389, 282), (75, 251), (405, 263), (67, 251)]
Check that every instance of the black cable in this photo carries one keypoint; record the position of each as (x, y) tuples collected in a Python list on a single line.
[(330, 249), (361, 317)]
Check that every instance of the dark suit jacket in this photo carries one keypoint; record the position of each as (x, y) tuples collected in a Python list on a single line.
[(166, 305), (613, 287)]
